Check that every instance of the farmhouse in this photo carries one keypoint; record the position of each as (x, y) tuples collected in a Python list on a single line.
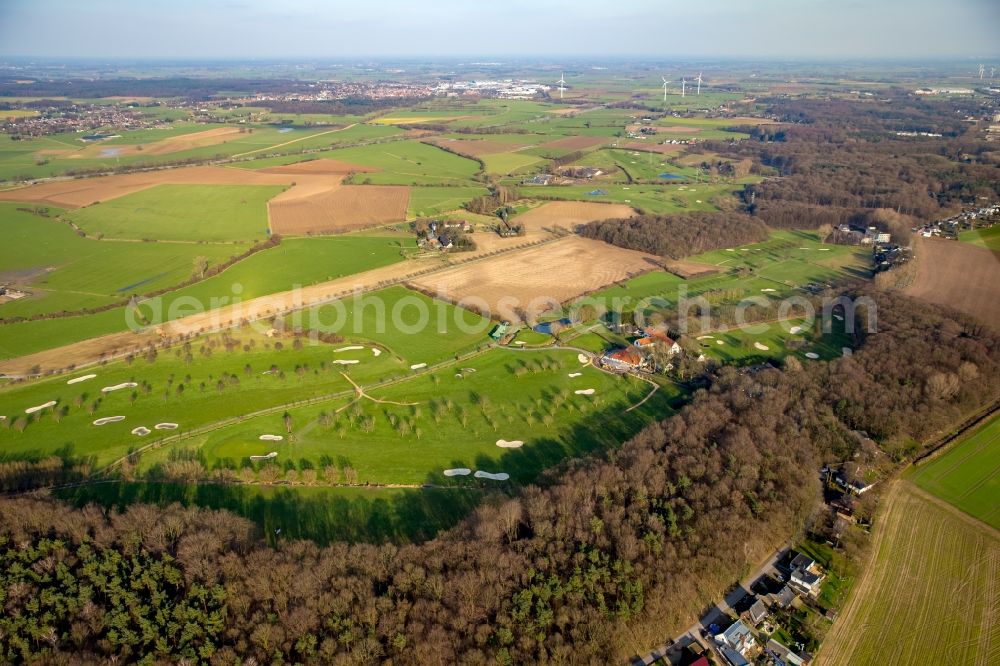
[(625, 359), (651, 338)]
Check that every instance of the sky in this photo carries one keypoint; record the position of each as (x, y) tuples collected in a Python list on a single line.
[(288, 29)]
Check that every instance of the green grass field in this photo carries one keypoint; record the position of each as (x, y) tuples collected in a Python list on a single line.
[(968, 474), (430, 200), (923, 557), (988, 238), (182, 213), (297, 261), (662, 199)]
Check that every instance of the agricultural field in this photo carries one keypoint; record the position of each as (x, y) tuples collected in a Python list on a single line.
[(957, 275), (987, 237), (654, 199), (968, 474), (435, 200), (570, 215), (927, 595), (339, 209), (63, 271), (182, 213), (524, 280)]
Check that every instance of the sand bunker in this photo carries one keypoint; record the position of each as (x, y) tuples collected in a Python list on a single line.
[(812, 355), (795, 329), (38, 408), (720, 342), (118, 387), (417, 366), (141, 431), (824, 249), (576, 374), (468, 370), (761, 347), (706, 337), (376, 351), (165, 426), (351, 348), (583, 358), (77, 380), (520, 342), (584, 392), (108, 419), (768, 290), (458, 471), (270, 438), (345, 361), (498, 476), (512, 444), (272, 454)]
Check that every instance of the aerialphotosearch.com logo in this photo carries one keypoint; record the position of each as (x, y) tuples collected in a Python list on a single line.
[(363, 312)]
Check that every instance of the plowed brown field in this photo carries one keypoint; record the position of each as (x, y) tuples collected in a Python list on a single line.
[(959, 275), (338, 209), (575, 142), (571, 214)]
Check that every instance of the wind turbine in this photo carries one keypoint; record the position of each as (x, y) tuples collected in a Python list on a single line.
[(665, 82), (982, 70), (562, 84), (683, 86), (699, 82)]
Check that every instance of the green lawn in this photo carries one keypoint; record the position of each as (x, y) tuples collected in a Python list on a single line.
[(660, 199), (987, 237), (182, 213), (448, 418), (508, 163), (968, 474), (434, 200)]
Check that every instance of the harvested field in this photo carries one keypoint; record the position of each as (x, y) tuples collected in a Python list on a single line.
[(689, 269), (661, 148), (339, 209), (928, 593), (538, 278), (571, 214), (478, 147), (678, 129), (959, 275), (575, 142), (175, 144)]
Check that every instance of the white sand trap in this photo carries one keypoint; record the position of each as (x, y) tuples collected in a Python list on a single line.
[(510, 444), (458, 471), (812, 355), (795, 329), (520, 342), (270, 438), (109, 419), (165, 426), (761, 347), (351, 348), (729, 249), (583, 358), (459, 375), (141, 431), (77, 380), (805, 248), (584, 392), (847, 351), (118, 387), (576, 374), (838, 317), (706, 337), (269, 372), (417, 366), (272, 454), (824, 249), (697, 200), (468, 371), (376, 351), (345, 361), (720, 342), (38, 408), (768, 290), (498, 476)]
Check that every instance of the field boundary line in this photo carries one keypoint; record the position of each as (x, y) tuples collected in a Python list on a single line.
[(288, 143), (954, 510)]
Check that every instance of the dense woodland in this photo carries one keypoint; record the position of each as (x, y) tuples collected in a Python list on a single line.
[(590, 566), (676, 236)]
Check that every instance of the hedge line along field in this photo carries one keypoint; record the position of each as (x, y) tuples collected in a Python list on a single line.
[(66, 272), (927, 556), (295, 262), (451, 418), (182, 213), (968, 474), (190, 385)]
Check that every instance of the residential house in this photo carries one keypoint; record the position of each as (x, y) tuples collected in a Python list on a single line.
[(785, 655), (784, 598), (542, 179), (738, 637), (652, 337), (857, 487), (500, 330), (757, 612), (806, 582), (732, 657), (458, 224)]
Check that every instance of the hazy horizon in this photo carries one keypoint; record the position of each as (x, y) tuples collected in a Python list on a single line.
[(303, 29)]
